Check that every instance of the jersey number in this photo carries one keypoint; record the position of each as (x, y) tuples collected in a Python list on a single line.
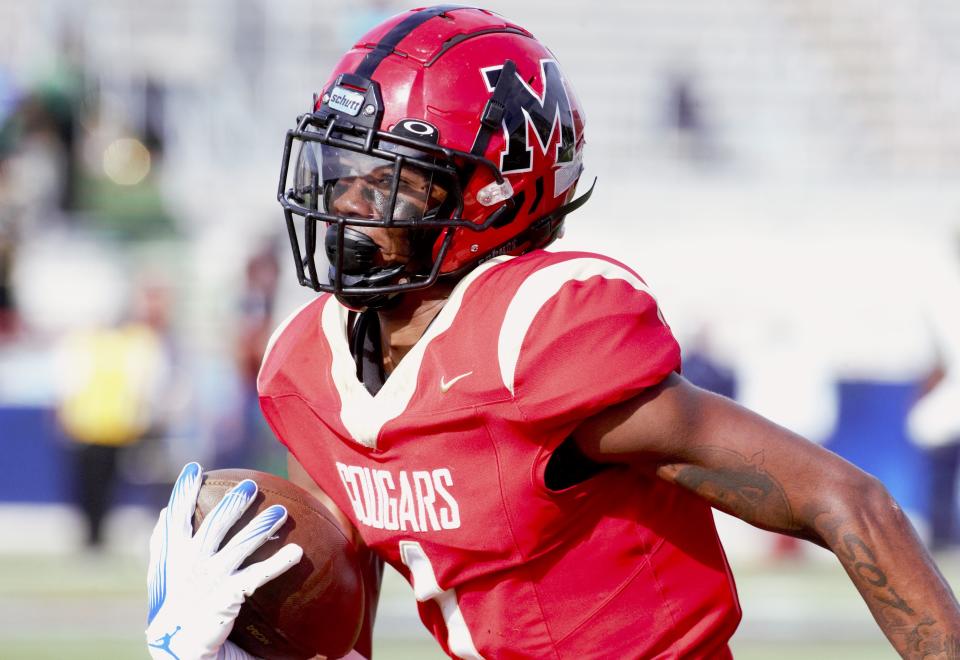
[(425, 588)]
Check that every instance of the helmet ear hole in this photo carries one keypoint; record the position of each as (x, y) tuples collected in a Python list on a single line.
[(538, 195), (511, 213)]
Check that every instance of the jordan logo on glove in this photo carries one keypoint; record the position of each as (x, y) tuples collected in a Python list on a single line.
[(164, 643)]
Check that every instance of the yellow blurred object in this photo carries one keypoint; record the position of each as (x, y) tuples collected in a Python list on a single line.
[(126, 161), (109, 382)]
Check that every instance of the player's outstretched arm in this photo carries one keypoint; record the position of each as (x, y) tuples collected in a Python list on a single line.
[(195, 588), (764, 474)]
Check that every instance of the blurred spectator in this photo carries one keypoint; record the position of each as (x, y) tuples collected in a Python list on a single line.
[(37, 182), (8, 310), (43, 128), (250, 442), (930, 425), (37, 174), (256, 309), (154, 117), (39, 159), (691, 136), (111, 380), (63, 93), (934, 422)]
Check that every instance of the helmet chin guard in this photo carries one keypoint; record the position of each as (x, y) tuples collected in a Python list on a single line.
[(443, 136), (358, 268)]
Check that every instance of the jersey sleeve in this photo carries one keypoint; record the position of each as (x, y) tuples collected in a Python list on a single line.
[(592, 336)]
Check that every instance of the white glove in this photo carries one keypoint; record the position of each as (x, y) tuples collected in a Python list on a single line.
[(195, 591)]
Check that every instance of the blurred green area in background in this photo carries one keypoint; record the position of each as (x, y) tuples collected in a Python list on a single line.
[(125, 212)]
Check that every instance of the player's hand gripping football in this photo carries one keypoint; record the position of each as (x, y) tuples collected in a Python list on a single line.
[(195, 590)]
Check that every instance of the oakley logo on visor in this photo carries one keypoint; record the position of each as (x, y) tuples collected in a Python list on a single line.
[(417, 128), (345, 101)]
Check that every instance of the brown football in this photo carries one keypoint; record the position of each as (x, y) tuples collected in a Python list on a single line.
[(316, 607)]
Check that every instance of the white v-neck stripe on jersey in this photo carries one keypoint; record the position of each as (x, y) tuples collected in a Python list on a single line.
[(363, 414)]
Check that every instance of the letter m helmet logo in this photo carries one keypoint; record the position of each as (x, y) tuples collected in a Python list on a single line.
[(527, 112)]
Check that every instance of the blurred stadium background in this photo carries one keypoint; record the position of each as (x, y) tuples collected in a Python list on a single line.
[(784, 174)]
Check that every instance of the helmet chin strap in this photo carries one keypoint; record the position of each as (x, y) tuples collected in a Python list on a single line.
[(376, 302)]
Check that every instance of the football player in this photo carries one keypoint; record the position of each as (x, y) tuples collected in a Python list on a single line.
[(508, 427)]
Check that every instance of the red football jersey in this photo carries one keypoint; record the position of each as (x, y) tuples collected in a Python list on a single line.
[(442, 472)]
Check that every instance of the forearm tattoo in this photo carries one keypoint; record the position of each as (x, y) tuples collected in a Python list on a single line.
[(741, 487), (917, 635)]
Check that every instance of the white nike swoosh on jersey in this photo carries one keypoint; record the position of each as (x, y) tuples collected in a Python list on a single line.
[(445, 386)]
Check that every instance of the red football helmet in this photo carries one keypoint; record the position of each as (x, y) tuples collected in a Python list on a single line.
[(449, 121)]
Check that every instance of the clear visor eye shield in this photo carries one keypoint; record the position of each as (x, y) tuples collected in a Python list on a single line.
[(341, 172)]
